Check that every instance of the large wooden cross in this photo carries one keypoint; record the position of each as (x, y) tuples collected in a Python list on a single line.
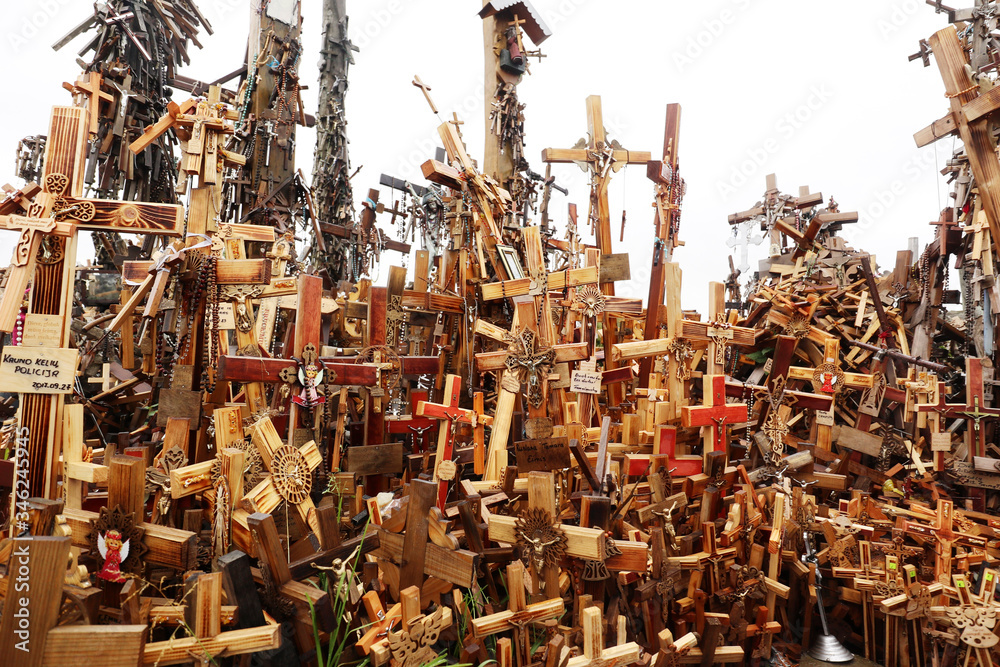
[(45, 256), (602, 158)]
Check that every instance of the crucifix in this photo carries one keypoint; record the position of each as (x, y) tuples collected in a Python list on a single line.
[(974, 412), (600, 157), (444, 468), (669, 190), (715, 413)]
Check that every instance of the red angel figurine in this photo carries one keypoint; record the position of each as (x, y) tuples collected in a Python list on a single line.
[(113, 551)]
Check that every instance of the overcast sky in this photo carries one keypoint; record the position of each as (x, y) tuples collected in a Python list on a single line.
[(819, 93)]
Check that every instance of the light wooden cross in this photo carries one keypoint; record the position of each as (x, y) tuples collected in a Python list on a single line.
[(49, 222), (42, 563), (290, 480), (519, 614), (975, 616), (601, 158), (714, 413), (594, 652), (200, 124), (943, 531), (88, 85), (524, 316), (444, 467)]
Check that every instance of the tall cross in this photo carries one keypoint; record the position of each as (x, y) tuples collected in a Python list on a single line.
[(669, 191), (602, 158), (45, 255)]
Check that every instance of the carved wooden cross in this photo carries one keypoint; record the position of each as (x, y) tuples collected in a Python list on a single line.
[(975, 616), (290, 479), (943, 531), (444, 467)]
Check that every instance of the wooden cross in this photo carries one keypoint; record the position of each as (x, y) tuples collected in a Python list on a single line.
[(444, 467), (669, 191), (943, 531), (714, 412), (58, 210), (976, 615), (594, 652), (415, 551), (601, 158), (710, 555), (42, 563), (426, 90), (89, 86), (290, 480), (419, 428), (973, 411)]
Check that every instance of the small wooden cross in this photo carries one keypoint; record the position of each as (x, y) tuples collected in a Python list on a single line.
[(89, 84), (594, 652), (714, 412), (444, 467), (426, 90)]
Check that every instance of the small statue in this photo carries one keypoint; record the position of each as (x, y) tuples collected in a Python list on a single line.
[(113, 551)]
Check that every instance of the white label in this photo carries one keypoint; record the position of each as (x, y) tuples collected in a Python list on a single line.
[(38, 370)]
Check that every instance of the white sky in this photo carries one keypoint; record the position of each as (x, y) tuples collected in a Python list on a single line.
[(741, 69)]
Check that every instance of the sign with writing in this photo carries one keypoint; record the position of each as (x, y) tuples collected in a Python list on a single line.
[(941, 442), (586, 379), (967, 475), (546, 454), (226, 320), (42, 330), (824, 417), (38, 370)]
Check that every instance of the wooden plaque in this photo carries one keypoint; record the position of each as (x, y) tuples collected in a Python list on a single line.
[(38, 370), (42, 330), (941, 442), (547, 454), (615, 267), (375, 459)]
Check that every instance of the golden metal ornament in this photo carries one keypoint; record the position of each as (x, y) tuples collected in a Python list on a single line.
[(528, 364)]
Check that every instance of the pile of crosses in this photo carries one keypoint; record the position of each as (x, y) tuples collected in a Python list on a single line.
[(245, 453)]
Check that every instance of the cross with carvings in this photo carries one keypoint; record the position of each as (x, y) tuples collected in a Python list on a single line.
[(444, 468), (975, 616), (58, 211), (714, 413), (291, 474)]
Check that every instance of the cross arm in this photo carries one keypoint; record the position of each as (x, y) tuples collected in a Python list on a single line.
[(494, 361), (154, 131), (564, 155), (261, 369)]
